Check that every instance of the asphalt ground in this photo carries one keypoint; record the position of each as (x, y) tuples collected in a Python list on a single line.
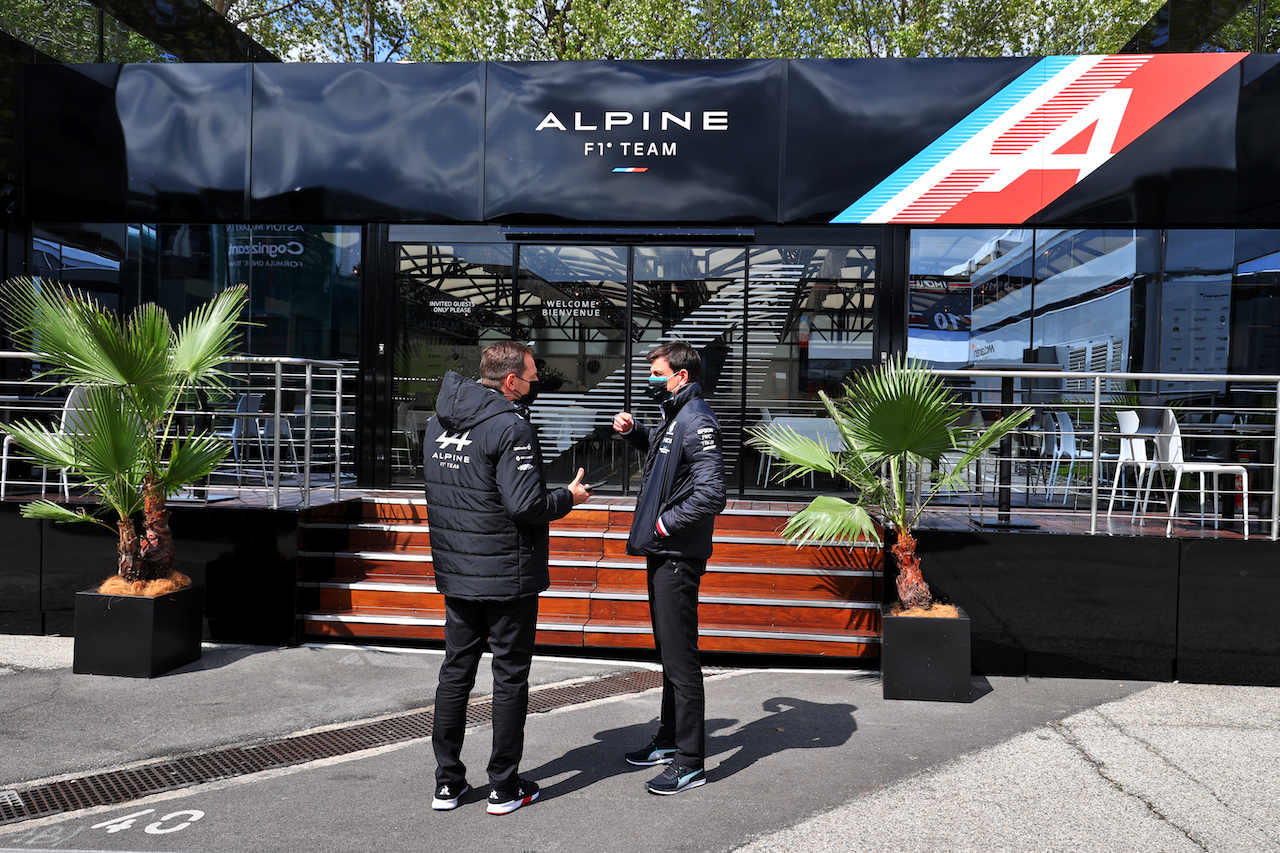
[(800, 760)]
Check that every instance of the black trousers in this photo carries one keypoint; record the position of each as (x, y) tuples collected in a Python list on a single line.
[(509, 627), (673, 610)]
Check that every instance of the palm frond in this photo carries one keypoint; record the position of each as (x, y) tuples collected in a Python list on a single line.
[(193, 458), (797, 454), (829, 519), (207, 334), (62, 324), (50, 511), (901, 409)]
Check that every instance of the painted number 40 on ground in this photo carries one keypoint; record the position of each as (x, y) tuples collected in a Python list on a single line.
[(173, 822)]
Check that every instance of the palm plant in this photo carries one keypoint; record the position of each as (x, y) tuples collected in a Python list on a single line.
[(137, 370), (892, 418)]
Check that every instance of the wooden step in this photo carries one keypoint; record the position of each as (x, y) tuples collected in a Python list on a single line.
[(366, 572)]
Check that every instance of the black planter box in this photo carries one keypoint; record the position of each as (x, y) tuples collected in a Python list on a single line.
[(135, 636), (927, 658)]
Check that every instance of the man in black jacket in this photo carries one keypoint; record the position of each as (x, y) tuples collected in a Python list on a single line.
[(489, 510), (681, 492)]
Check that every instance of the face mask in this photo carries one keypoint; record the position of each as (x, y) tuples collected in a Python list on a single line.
[(657, 388), (532, 394)]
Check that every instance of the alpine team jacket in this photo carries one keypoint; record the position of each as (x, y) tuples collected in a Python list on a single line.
[(682, 489), (487, 504)]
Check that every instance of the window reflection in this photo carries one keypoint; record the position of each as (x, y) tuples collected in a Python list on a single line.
[(303, 280), (1098, 300), (69, 30), (452, 301), (1083, 297), (1052, 296), (572, 300), (697, 294), (1255, 328)]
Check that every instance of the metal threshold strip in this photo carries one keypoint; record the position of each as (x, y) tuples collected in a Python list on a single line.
[(113, 787)]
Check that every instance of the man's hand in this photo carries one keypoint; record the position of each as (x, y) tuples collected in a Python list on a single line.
[(623, 422), (580, 490)]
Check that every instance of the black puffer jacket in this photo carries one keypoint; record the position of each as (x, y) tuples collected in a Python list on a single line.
[(487, 504), (683, 488)]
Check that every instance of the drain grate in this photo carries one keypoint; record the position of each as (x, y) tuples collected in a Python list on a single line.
[(120, 786)]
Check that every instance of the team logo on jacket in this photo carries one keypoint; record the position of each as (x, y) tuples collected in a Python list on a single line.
[(1037, 138), (457, 457)]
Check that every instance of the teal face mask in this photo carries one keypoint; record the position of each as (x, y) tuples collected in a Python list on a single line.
[(657, 388)]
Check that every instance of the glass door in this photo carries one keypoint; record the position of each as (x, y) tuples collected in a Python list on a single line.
[(775, 325), (571, 307)]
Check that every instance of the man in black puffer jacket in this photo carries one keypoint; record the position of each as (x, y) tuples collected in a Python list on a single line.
[(681, 492), (489, 510)]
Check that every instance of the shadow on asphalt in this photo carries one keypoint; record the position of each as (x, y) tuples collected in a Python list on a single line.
[(789, 724)]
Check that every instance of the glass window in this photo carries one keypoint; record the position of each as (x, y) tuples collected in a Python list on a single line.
[(1048, 296), (94, 258), (303, 280), (1193, 329), (1255, 308), (695, 294), (1083, 299), (69, 30), (453, 300), (965, 295), (812, 325), (572, 309)]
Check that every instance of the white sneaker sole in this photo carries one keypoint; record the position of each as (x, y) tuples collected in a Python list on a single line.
[(511, 805), (653, 762), (448, 805), (694, 784)]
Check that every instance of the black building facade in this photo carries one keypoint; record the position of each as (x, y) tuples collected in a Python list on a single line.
[(796, 219)]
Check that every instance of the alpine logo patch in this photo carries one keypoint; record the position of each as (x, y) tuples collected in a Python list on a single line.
[(456, 457), (1037, 138)]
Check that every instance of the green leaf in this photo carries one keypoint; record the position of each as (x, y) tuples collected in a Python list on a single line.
[(830, 519), (193, 458), (50, 511)]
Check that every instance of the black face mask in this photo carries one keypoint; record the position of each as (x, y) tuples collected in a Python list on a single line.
[(529, 396), (656, 388)]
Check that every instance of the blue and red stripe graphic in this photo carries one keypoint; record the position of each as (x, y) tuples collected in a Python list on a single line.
[(1037, 138)]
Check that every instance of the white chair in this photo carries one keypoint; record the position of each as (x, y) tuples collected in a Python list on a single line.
[(1063, 450), (73, 421), (1133, 454), (1169, 458)]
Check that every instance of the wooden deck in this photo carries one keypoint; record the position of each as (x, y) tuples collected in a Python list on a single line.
[(1042, 516)]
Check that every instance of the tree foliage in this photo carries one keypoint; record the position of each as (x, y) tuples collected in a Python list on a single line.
[(510, 30), (67, 30)]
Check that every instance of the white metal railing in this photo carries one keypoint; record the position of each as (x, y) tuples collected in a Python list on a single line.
[(1209, 409), (290, 423), (1021, 481)]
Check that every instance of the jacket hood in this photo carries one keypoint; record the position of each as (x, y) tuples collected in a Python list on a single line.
[(463, 403)]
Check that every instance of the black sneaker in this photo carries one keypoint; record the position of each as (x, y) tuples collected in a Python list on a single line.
[(501, 802), (654, 753), (675, 779), (447, 796)]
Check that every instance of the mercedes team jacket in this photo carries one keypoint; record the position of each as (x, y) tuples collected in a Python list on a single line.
[(487, 504), (683, 488)]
